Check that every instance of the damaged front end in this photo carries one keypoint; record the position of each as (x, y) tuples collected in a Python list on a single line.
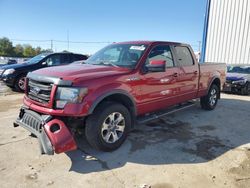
[(53, 135)]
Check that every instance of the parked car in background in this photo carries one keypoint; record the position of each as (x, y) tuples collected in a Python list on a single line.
[(238, 80), (14, 75), (9, 62), (120, 85), (78, 62)]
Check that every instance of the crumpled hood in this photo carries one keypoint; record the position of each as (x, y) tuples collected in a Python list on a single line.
[(81, 72), (237, 76)]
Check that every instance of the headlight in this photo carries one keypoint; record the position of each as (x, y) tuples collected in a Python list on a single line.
[(66, 95), (8, 71), (1, 71), (242, 82)]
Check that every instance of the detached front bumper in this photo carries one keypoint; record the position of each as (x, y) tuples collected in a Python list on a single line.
[(53, 135)]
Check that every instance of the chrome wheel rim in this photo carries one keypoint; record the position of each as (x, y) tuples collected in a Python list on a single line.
[(21, 83), (213, 97), (113, 127)]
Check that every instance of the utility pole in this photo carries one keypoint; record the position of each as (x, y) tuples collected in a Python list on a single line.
[(51, 45), (68, 38), (199, 42)]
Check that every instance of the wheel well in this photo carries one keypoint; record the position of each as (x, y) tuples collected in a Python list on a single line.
[(19, 75), (124, 100), (216, 82)]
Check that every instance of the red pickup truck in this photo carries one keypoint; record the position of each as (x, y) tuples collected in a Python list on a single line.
[(121, 85)]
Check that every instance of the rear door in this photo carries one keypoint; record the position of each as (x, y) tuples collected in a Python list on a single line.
[(78, 57), (189, 72), (65, 59)]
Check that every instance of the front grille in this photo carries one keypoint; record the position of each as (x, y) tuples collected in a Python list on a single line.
[(39, 91), (32, 122)]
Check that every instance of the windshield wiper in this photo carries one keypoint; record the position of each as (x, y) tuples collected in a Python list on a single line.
[(110, 63), (105, 63)]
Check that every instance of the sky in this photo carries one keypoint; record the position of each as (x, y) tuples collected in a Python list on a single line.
[(92, 24)]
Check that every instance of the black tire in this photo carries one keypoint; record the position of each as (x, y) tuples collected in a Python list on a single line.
[(18, 87), (209, 101), (246, 89), (95, 124)]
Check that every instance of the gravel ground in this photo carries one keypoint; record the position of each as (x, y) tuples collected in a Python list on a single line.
[(192, 148)]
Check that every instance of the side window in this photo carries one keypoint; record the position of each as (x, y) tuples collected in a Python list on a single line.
[(65, 59), (184, 56), (53, 60), (79, 57), (161, 53)]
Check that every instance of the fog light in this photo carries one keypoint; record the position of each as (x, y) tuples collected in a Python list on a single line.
[(54, 128)]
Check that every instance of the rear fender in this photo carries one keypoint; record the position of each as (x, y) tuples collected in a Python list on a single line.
[(212, 81)]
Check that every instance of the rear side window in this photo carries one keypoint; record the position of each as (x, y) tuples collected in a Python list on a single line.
[(65, 59), (78, 57), (161, 53), (184, 56)]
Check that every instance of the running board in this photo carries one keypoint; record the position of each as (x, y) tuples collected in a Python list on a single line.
[(153, 116)]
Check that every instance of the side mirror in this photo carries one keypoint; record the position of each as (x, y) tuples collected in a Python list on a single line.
[(156, 66), (44, 63)]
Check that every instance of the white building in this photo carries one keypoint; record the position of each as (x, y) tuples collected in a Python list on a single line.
[(227, 32)]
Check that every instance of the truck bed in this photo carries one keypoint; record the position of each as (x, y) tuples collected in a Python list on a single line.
[(209, 71)]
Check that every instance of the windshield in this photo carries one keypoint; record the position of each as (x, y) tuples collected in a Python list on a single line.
[(36, 59), (118, 55), (237, 69)]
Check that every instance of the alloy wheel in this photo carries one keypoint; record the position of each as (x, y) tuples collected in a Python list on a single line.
[(213, 97), (113, 127), (21, 83)]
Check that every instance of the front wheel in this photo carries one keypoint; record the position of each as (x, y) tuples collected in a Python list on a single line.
[(209, 101), (107, 128), (20, 83)]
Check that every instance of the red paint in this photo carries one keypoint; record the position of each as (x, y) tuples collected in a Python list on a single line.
[(61, 140), (178, 84), (191, 82)]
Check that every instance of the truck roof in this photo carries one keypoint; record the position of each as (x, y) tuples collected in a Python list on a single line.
[(150, 42)]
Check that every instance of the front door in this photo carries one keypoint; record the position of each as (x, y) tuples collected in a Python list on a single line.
[(158, 89)]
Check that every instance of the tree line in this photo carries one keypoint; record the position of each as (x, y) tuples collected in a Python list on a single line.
[(26, 50)]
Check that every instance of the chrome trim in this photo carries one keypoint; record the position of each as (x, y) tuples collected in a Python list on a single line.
[(49, 79)]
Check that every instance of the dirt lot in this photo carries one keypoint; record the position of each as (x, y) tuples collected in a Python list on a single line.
[(192, 148)]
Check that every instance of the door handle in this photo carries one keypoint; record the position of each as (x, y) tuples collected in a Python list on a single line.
[(175, 74)]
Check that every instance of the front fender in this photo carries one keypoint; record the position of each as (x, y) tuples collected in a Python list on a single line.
[(107, 90)]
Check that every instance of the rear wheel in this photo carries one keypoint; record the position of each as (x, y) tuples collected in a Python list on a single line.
[(20, 83), (209, 101), (107, 128)]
